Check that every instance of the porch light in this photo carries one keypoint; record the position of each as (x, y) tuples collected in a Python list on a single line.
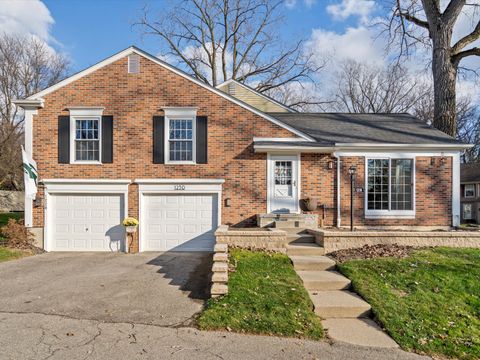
[(352, 170), (227, 202), (330, 165)]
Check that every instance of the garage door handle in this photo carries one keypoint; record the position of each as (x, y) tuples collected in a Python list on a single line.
[(86, 229)]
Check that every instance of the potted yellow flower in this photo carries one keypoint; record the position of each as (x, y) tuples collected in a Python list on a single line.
[(130, 224)]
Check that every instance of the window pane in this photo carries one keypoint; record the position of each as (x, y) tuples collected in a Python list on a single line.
[(181, 129), (401, 182), (377, 173)]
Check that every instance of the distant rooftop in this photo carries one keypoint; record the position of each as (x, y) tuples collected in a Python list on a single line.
[(470, 173)]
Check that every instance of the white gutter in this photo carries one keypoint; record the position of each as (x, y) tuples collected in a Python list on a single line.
[(362, 147)]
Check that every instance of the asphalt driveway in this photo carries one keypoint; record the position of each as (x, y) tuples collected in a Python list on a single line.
[(165, 289)]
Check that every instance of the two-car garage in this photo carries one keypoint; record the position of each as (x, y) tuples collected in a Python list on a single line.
[(174, 215)]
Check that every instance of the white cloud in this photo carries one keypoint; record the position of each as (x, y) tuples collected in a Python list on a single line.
[(347, 8), (292, 3), (26, 18), (355, 43)]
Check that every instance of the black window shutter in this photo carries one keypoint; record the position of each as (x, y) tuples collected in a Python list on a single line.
[(107, 139), (202, 140), (158, 140), (64, 139)]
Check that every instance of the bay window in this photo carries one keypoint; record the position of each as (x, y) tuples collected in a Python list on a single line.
[(390, 187)]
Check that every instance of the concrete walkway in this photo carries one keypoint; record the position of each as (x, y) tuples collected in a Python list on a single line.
[(36, 336), (344, 313)]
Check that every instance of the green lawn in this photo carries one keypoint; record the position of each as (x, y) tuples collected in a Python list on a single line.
[(428, 302), (265, 297), (10, 254)]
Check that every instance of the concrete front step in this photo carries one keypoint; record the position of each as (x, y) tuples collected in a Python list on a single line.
[(312, 262), (290, 224), (305, 249), (323, 280), (339, 304), (364, 332), (300, 239)]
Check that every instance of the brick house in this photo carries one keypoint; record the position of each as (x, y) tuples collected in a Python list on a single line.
[(134, 136)]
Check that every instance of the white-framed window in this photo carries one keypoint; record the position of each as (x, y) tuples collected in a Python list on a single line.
[(469, 191), (180, 132), (467, 211), (390, 187), (86, 135)]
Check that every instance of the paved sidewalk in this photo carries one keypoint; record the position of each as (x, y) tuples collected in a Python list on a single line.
[(36, 336)]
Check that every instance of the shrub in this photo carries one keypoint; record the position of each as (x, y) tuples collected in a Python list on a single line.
[(16, 235)]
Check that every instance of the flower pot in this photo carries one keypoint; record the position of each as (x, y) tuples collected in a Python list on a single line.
[(311, 204), (131, 229)]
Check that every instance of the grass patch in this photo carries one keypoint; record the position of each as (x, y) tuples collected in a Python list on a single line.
[(429, 302), (265, 297), (10, 254)]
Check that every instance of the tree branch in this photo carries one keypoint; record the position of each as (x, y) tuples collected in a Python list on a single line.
[(473, 36), (462, 54)]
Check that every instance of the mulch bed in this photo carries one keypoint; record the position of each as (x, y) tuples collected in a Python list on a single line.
[(372, 251)]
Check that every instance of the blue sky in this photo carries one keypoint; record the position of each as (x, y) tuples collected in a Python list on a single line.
[(87, 31), (90, 30)]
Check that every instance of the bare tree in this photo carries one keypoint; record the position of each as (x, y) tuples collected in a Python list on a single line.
[(216, 40), (419, 23), (27, 65), (366, 88)]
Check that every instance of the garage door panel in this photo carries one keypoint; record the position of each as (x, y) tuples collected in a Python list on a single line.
[(179, 221), (86, 222)]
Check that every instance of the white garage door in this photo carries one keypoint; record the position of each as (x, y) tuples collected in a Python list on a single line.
[(184, 222), (86, 222)]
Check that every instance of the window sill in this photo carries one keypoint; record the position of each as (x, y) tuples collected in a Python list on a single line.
[(391, 215)]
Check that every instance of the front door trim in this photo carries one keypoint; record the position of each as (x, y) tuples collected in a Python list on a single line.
[(271, 158)]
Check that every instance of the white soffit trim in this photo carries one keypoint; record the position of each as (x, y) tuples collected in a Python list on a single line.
[(351, 146), (134, 50), (286, 148), (179, 181), (30, 103), (256, 92)]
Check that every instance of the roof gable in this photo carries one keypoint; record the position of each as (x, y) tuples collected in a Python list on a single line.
[(135, 50)]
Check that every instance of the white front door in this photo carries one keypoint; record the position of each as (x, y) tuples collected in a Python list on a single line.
[(283, 186), (179, 222), (86, 222)]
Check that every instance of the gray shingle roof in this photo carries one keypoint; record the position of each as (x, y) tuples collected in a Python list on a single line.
[(365, 128), (470, 173)]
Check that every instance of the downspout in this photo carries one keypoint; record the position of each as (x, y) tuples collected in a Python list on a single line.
[(339, 220)]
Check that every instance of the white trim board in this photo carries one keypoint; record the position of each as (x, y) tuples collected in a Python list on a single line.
[(135, 50)]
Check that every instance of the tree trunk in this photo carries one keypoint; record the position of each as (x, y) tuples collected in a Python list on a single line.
[(444, 81)]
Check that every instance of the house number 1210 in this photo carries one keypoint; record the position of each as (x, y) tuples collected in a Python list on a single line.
[(179, 187)]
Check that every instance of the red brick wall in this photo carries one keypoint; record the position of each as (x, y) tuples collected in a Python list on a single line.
[(433, 191), (133, 99)]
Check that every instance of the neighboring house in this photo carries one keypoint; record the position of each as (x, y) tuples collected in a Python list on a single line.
[(133, 135), (470, 192)]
